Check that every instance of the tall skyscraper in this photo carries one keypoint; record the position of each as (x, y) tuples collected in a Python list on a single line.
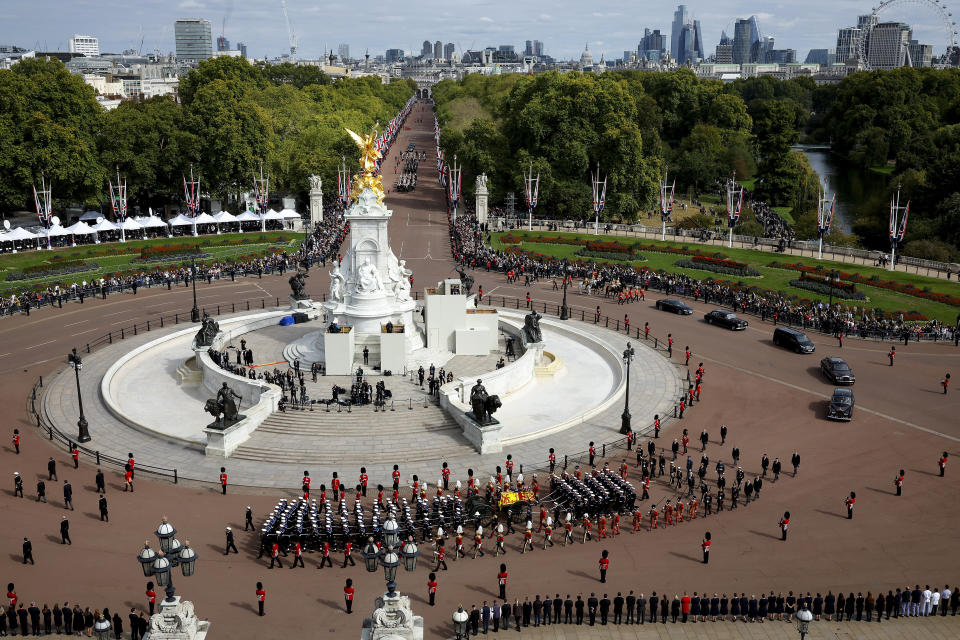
[(394, 55), (848, 41), (427, 49), (243, 49), (193, 39), (889, 42), (343, 52), (448, 50), (697, 40), (741, 41), (438, 50), (680, 18), (223, 44), (538, 48), (653, 45), (87, 45), (528, 48)]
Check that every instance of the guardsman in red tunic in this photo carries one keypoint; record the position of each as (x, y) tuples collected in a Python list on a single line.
[(348, 593), (325, 555), (687, 355), (380, 496), (690, 394), (568, 530), (548, 532), (668, 514), (616, 524), (593, 453), (456, 491), (646, 488), (604, 565), (898, 482), (543, 519), (705, 545), (275, 556), (347, 549), (697, 390), (359, 493), (578, 473), (478, 543), (499, 478), (16, 440), (471, 482), (587, 526), (459, 544), (527, 538), (261, 598), (441, 556), (535, 487), (783, 524), (502, 581), (432, 588), (396, 476), (76, 459), (637, 520), (623, 469), (685, 440), (509, 465), (892, 354), (943, 463), (553, 460), (602, 527), (364, 479), (849, 502), (683, 404), (680, 507), (500, 548), (693, 508), (396, 496), (223, 479), (646, 330), (445, 474), (151, 596), (335, 486), (297, 555)]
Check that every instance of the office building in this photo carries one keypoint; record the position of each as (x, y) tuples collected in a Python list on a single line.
[(760, 50), (680, 18), (781, 56), (741, 41), (438, 50), (505, 48), (538, 48), (394, 55), (848, 42), (193, 39), (223, 44), (921, 55), (448, 50), (243, 49), (426, 50), (888, 45), (653, 45), (724, 53), (343, 52), (528, 48), (820, 56), (86, 45)]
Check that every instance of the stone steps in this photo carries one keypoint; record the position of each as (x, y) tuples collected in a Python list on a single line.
[(356, 457)]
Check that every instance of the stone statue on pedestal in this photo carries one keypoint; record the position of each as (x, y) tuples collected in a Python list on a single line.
[(298, 286), (400, 276), (483, 404), (337, 284), (209, 329), (315, 183), (368, 278), (465, 279), (224, 405), (531, 327)]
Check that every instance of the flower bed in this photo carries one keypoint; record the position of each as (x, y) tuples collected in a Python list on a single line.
[(613, 255), (600, 246), (844, 290), (873, 281), (718, 265), (682, 251), (53, 268)]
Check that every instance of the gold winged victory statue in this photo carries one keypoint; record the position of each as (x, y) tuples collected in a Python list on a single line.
[(368, 176)]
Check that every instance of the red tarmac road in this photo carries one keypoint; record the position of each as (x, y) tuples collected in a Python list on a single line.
[(771, 400)]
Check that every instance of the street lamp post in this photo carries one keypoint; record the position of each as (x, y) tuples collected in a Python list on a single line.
[(172, 554), (625, 427), (565, 310), (195, 312), (803, 618), (77, 364), (460, 618)]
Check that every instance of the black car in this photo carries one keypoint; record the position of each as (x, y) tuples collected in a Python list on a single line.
[(726, 319), (841, 405), (794, 340), (837, 371), (674, 306)]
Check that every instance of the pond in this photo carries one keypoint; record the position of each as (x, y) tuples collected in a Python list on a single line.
[(855, 187)]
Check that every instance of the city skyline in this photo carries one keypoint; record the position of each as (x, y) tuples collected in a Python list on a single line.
[(563, 30)]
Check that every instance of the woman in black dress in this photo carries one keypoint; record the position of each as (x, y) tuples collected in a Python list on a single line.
[(57, 617), (694, 606), (858, 603), (790, 606), (841, 606), (817, 609), (743, 606), (879, 606), (714, 607), (724, 607), (849, 606), (779, 603), (762, 613), (675, 608), (890, 602), (771, 606), (735, 606), (753, 608), (828, 605)]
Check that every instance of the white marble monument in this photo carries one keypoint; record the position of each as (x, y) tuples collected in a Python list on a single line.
[(482, 194), (392, 619), (176, 620), (316, 201)]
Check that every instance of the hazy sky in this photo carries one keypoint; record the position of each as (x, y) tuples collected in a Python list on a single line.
[(563, 25)]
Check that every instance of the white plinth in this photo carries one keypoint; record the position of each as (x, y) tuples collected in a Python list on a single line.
[(305, 304), (176, 620), (338, 352), (393, 352), (392, 619), (488, 320), (472, 342)]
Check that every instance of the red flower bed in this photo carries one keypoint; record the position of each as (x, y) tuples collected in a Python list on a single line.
[(720, 262), (681, 251), (874, 281), (601, 246)]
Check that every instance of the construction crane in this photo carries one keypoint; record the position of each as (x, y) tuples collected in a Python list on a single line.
[(293, 38)]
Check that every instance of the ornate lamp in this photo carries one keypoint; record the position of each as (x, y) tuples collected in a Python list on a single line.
[(371, 555), (173, 551), (410, 553), (102, 628), (165, 532), (188, 559), (390, 561), (391, 532), (146, 558), (803, 618), (161, 570), (460, 622)]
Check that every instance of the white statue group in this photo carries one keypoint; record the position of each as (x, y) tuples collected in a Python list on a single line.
[(369, 280)]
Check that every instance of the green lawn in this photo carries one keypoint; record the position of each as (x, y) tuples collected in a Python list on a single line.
[(122, 256), (772, 278)]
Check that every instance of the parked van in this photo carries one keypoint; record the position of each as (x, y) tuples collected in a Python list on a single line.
[(793, 339)]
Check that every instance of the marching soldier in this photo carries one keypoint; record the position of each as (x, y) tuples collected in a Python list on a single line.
[(248, 524), (17, 484), (325, 555), (478, 543), (668, 513), (458, 551), (527, 538), (646, 488), (500, 548), (616, 525), (653, 517), (637, 520), (548, 532), (898, 481), (601, 527), (568, 530), (230, 543), (441, 553), (298, 555), (275, 556), (587, 526), (679, 510)]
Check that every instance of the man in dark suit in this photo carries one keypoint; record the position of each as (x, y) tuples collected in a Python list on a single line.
[(67, 495), (604, 609), (592, 604), (474, 619), (484, 615), (641, 608), (134, 625), (557, 604), (27, 551), (618, 608), (104, 516), (654, 601), (65, 531), (579, 605)]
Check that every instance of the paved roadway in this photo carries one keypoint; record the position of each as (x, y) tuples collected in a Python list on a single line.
[(772, 401)]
